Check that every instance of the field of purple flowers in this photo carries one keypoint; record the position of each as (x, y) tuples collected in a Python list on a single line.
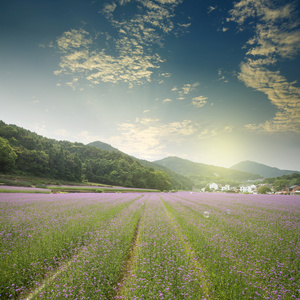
[(149, 246)]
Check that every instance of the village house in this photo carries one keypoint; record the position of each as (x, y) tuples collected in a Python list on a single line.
[(248, 189), (226, 187), (291, 190), (213, 186)]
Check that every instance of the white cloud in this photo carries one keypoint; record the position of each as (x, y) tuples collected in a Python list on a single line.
[(109, 8), (169, 1), (207, 133), (277, 37), (73, 39), (167, 75), (167, 100), (199, 101), (185, 89), (185, 25), (135, 47), (284, 95), (73, 84), (221, 75), (146, 137), (211, 8)]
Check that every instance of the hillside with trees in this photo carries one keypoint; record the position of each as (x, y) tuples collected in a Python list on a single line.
[(202, 174), (26, 153), (179, 182), (279, 183)]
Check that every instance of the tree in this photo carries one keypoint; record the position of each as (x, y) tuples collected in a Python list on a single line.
[(207, 189), (264, 190), (33, 162), (7, 156), (280, 184), (162, 181)]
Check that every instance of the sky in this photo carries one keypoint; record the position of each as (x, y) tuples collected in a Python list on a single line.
[(212, 81)]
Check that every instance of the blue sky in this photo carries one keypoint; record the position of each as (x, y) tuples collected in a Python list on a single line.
[(212, 81)]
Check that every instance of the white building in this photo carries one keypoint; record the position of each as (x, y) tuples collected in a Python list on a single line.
[(248, 189), (213, 186), (226, 187)]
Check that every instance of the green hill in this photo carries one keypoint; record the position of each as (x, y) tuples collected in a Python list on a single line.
[(179, 182), (103, 146), (203, 173), (23, 152)]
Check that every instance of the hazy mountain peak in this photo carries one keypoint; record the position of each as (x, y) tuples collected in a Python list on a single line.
[(261, 169)]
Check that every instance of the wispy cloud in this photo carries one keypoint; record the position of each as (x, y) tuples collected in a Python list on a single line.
[(221, 75), (199, 101), (185, 90), (135, 46), (167, 100), (277, 37), (211, 9), (74, 39), (149, 136)]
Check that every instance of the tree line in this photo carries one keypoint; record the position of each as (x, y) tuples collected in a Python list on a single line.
[(279, 183), (25, 152)]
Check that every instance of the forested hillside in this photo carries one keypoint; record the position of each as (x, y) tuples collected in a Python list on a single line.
[(199, 170), (179, 182), (279, 183), (25, 152)]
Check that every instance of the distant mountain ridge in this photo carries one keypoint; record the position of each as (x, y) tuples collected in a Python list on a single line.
[(261, 169), (188, 168)]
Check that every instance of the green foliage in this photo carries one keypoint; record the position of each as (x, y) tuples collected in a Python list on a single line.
[(7, 155), (27, 153), (200, 171), (207, 189), (279, 183), (178, 182), (264, 190)]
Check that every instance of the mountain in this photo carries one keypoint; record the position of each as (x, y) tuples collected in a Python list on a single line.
[(199, 170), (103, 146), (261, 169), (179, 182), (23, 152)]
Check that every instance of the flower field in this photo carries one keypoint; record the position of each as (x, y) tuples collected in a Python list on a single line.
[(149, 246)]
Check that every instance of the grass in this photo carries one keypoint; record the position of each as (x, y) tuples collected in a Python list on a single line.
[(149, 246), (31, 191), (79, 189), (60, 187)]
